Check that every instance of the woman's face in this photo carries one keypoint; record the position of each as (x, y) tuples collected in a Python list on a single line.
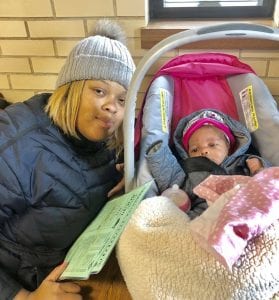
[(101, 109)]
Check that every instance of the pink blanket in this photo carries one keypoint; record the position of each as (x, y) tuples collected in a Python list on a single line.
[(240, 208)]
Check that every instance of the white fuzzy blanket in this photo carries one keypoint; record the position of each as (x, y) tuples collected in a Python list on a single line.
[(159, 259)]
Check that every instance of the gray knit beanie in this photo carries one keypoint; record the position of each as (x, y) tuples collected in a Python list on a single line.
[(103, 56)]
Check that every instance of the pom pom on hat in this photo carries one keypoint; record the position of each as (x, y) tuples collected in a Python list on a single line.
[(103, 56), (207, 118)]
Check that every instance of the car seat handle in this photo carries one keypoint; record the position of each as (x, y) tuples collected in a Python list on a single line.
[(243, 29)]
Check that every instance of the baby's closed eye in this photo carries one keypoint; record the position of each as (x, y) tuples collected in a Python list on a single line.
[(212, 145), (194, 150)]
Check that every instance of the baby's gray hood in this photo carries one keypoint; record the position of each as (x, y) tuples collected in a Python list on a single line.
[(241, 133)]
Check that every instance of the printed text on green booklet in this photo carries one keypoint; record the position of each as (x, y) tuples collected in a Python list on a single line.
[(93, 247)]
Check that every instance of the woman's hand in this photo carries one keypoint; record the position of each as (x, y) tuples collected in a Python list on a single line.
[(50, 289), (120, 185)]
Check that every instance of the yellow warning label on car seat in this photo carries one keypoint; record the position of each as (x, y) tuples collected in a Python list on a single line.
[(164, 110), (248, 107)]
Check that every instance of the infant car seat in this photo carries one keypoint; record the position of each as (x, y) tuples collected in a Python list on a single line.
[(194, 81)]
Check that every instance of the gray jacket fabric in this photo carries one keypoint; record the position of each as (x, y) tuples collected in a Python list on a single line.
[(51, 187), (174, 166)]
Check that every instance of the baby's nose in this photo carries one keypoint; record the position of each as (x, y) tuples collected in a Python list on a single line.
[(204, 152)]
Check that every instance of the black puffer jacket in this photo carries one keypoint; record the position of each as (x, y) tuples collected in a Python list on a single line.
[(51, 187)]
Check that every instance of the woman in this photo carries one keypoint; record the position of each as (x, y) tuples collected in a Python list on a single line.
[(58, 165)]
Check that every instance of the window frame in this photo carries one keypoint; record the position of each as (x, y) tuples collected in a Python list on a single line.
[(157, 11)]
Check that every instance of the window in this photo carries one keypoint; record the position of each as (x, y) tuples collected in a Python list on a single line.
[(179, 9)]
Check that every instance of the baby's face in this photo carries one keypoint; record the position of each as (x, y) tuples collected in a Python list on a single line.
[(210, 142)]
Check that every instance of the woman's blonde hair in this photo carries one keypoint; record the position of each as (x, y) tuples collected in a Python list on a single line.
[(63, 107)]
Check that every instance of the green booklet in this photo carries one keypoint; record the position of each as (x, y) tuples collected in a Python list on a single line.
[(91, 250)]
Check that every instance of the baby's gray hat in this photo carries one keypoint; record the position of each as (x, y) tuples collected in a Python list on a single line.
[(103, 56)]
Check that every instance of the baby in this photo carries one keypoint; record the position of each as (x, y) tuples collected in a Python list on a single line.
[(207, 135), (207, 142)]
